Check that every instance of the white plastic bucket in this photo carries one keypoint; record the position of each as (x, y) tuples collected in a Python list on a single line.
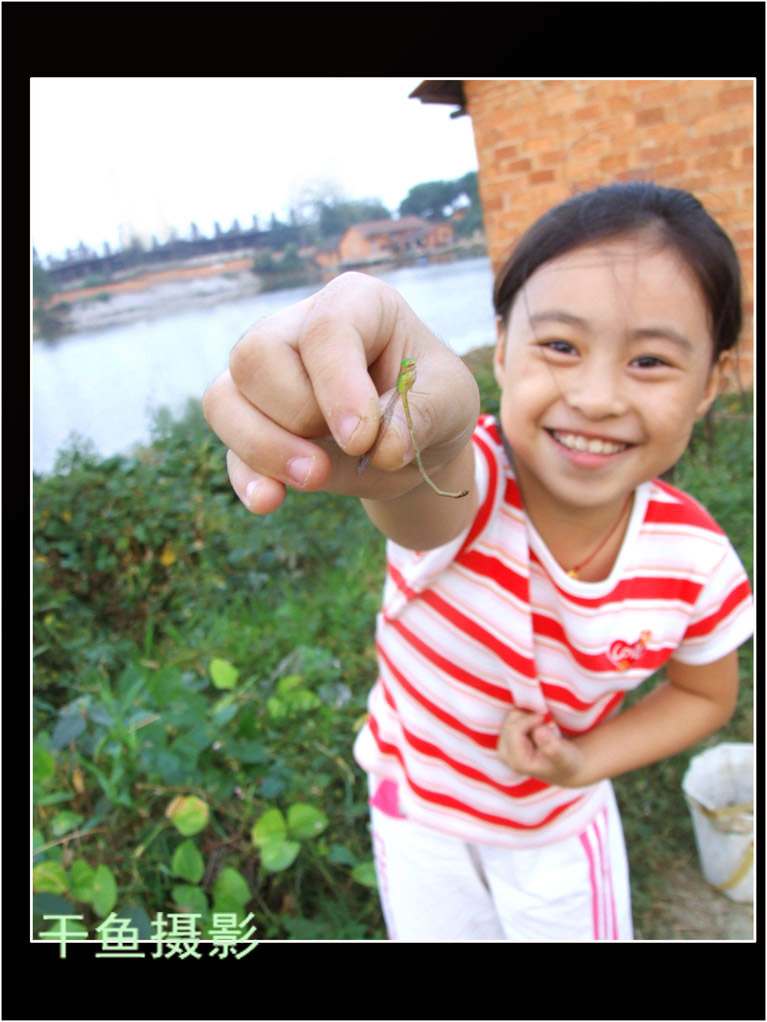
[(719, 789)]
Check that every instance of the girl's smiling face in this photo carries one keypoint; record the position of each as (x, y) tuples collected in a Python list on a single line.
[(605, 363)]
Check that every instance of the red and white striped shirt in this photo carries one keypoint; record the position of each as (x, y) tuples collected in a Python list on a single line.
[(491, 621)]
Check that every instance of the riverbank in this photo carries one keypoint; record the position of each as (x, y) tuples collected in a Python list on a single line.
[(152, 294), (156, 293)]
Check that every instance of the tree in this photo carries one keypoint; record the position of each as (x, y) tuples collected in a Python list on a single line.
[(280, 234), (42, 285), (470, 222), (469, 185), (336, 217), (429, 200), (435, 200)]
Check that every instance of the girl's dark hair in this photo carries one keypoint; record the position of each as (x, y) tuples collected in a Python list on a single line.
[(674, 217)]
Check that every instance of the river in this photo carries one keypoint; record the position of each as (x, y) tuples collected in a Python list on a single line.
[(105, 385)]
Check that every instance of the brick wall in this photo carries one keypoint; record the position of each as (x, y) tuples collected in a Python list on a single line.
[(538, 141)]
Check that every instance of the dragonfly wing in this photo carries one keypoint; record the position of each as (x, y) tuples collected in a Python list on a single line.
[(366, 458)]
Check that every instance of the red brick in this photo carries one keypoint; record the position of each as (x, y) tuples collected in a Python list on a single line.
[(690, 109), (517, 166), (556, 156), (662, 93), (655, 115), (719, 158), (741, 95), (671, 131), (615, 163), (586, 113)]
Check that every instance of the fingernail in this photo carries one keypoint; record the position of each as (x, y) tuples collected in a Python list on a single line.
[(347, 427), (250, 492), (299, 470)]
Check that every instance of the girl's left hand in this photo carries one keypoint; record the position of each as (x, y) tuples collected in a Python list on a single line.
[(530, 746)]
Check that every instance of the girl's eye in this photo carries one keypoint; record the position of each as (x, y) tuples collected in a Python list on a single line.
[(649, 362), (561, 347)]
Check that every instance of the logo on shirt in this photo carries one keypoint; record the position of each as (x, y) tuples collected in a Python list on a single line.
[(624, 654)]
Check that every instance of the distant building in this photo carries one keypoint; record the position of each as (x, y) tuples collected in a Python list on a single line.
[(328, 255), (392, 239)]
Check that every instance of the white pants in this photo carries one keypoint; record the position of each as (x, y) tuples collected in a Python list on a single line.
[(436, 887)]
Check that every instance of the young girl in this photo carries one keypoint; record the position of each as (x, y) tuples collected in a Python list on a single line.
[(516, 618)]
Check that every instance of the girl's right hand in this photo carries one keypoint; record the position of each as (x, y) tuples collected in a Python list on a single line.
[(300, 402)]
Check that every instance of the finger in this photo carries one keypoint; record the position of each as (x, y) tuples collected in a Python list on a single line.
[(351, 325), (258, 493), (522, 721), (546, 738), (267, 370), (260, 443), (307, 367), (438, 406)]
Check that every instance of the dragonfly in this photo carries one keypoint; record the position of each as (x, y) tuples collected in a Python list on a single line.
[(405, 381)]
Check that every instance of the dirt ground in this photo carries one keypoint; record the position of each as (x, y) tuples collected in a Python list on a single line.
[(698, 912)]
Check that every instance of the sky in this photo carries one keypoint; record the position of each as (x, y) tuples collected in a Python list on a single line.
[(110, 156)]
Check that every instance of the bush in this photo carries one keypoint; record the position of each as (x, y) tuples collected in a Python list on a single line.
[(183, 647)]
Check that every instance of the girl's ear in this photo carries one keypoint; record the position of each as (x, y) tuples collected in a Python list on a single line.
[(712, 385), (499, 360)]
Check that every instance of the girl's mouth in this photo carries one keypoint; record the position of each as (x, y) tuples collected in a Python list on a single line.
[(589, 445)]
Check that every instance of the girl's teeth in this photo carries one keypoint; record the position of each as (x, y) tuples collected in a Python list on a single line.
[(576, 442)]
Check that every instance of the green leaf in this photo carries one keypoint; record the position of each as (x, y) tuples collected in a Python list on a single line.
[(138, 919), (278, 854), (70, 725), (288, 683), (50, 877), (81, 876), (54, 797), (43, 765), (53, 905), (104, 890), (223, 704), (303, 699), (231, 886), (166, 685), (65, 821), (305, 821), (269, 827), (223, 674), (248, 751), (341, 856), (187, 862), (365, 873), (190, 899), (276, 708), (188, 814), (226, 904)]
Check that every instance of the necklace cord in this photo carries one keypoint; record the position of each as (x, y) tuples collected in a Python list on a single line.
[(574, 571)]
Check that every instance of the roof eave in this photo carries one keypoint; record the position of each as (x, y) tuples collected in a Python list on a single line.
[(442, 90)]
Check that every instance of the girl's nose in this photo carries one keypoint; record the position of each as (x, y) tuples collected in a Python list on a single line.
[(597, 391)]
